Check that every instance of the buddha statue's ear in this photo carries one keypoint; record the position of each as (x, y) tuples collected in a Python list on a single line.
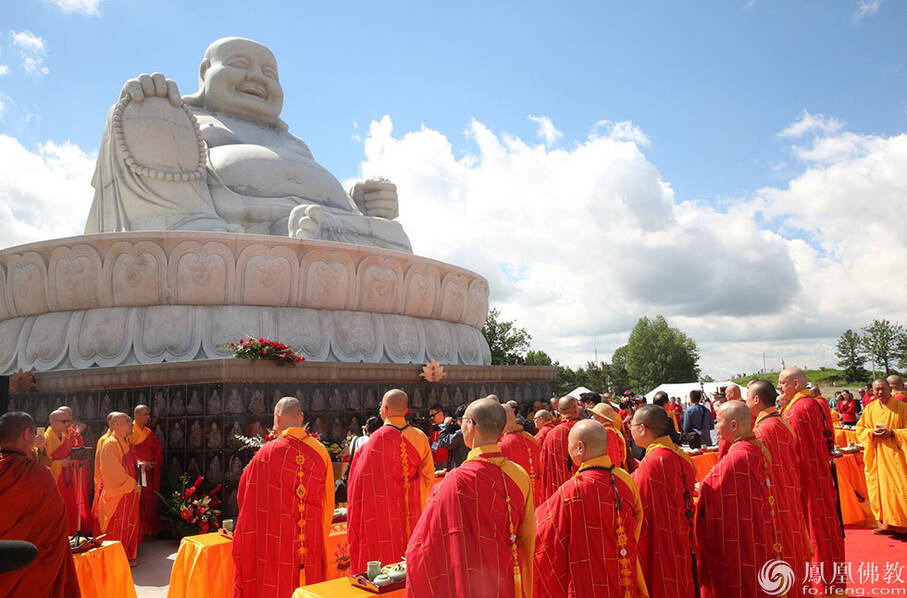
[(202, 69)]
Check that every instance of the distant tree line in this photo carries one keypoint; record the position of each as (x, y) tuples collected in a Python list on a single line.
[(882, 343)]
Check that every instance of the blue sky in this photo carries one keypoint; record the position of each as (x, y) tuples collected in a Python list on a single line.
[(703, 92)]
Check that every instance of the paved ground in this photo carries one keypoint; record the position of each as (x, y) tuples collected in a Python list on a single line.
[(152, 574)]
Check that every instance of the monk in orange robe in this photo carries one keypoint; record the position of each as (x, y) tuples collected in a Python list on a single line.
[(148, 452), (734, 528), (778, 438), (815, 440), (882, 430), (544, 423), (522, 448), (388, 486), (665, 479), (59, 440), (97, 477), (588, 530), (897, 388), (556, 464), (477, 534), (605, 414), (33, 511), (118, 498), (286, 504)]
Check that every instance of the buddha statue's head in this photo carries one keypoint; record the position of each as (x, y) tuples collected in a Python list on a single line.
[(238, 77)]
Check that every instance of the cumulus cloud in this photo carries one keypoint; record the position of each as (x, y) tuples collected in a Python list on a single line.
[(4, 70), (866, 8), (546, 130), (82, 7), (811, 123), (620, 131), (32, 49)]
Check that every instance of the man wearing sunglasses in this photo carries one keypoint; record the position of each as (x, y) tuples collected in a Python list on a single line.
[(59, 441)]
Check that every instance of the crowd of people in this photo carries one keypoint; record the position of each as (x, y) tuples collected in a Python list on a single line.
[(577, 498)]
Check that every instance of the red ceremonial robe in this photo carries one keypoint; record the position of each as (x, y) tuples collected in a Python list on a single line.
[(900, 395), (734, 529), (464, 543), (617, 447), (117, 500), (665, 479), (820, 502), (67, 477), (581, 533), (775, 434), (147, 448), (543, 433), (556, 463), (522, 448), (288, 482), (32, 510), (387, 489)]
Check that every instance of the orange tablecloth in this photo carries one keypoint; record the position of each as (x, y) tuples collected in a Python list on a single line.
[(844, 437), (203, 568), (704, 464), (104, 572), (340, 588), (855, 508)]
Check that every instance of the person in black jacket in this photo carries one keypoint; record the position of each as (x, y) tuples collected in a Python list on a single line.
[(451, 438)]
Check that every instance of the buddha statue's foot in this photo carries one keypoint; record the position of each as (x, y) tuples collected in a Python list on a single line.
[(305, 222)]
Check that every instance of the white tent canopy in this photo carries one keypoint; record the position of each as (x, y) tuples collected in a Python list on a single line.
[(576, 392), (683, 389)]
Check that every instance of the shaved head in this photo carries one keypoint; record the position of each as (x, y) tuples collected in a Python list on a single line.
[(493, 398), (568, 407), (587, 440), (895, 382), (732, 393), (660, 398), (395, 402), (142, 415), (484, 422), (791, 381), (881, 389), (287, 414), (57, 415), (287, 406), (543, 416), (655, 418), (13, 426), (67, 410), (143, 409), (764, 391), (119, 423), (734, 420)]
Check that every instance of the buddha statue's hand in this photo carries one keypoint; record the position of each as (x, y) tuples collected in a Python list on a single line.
[(305, 222), (151, 86), (376, 197)]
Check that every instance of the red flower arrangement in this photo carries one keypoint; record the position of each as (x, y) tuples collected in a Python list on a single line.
[(190, 511), (262, 348)]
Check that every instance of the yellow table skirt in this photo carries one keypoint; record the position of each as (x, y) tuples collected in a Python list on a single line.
[(340, 588), (703, 464), (203, 568), (104, 572)]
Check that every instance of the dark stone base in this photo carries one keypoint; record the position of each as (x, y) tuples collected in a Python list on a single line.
[(198, 407)]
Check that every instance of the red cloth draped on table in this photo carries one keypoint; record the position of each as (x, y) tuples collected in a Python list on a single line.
[(820, 503), (33, 511), (556, 463), (581, 534), (522, 448), (777, 437), (67, 478), (117, 500), (388, 486), (734, 530), (464, 543), (287, 485), (147, 448), (666, 539)]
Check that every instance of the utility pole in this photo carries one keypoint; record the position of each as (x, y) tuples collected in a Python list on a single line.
[(763, 362)]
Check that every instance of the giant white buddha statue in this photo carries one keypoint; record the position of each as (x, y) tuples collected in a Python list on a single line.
[(221, 159)]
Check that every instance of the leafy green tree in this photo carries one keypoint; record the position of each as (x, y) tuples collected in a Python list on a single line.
[(881, 342), (618, 378), (851, 355), (657, 353), (507, 342), (539, 357)]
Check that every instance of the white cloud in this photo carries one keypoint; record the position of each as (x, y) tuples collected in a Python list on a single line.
[(866, 8), (32, 49), (811, 123), (620, 131), (4, 70), (83, 7), (546, 130), (44, 194)]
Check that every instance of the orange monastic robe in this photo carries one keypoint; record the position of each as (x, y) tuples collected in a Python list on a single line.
[(147, 448), (388, 486), (75, 496), (582, 535), (900, 395), (777, 437), (556, 463), (288, 484), (665, 479), (478, 524), (734, 528), (118, 502), (32, 510), (673, 417), (886, 460), (820, 502), (522, 448)]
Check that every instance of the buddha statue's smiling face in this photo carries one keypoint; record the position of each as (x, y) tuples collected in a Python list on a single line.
[(239, 77)]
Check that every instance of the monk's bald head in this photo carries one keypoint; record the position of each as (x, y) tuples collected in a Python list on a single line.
[(655, 419), (542, 417), (881, 389), (895, 382), (142, 415), (587, 440), (59, 421), (732, 393), (493, 398), (119, 423), (15, 429), (791, 381), (568, 407), (394, 403), (287, 414), (65, 409), (734, 420)]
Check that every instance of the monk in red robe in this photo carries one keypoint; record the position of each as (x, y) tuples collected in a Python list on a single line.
[(150, 456), (59, 440), (588, 530), (778, 438), (544, 423), (665, 479), (388, 486), (477, 534), (897, 388), (605, 414), (522, 448), (734, 528), (556, 464), (815, 439), (286, 504), (33, 511), (118, 498)]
